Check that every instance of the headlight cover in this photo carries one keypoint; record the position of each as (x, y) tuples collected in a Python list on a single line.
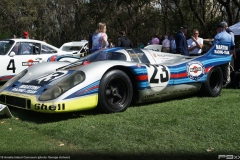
[(63, 86), (14, 79)]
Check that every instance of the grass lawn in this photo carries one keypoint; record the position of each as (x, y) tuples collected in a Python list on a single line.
[(187, 128)]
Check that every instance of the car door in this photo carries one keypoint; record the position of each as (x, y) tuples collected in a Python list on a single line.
[(22, 56)]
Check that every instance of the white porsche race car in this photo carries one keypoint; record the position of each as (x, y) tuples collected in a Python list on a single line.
[(19, 54), (77, 49), (112, 79)]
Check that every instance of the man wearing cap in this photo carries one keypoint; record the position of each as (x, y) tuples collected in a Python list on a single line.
[(181, 42), (223, 37), (229, 31), (25, 35)]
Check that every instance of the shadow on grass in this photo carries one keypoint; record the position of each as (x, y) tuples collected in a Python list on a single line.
[(2, 83), (194, 95), (2, 116), (36, 117)]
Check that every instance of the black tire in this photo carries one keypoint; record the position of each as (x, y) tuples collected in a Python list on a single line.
[(115, 92), (213, 86)]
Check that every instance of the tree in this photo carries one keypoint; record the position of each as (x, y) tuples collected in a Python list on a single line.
[(61, 21)]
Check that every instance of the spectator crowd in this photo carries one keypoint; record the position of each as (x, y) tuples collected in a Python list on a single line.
[(177, 44)]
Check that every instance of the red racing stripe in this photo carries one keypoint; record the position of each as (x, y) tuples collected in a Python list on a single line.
[(208, 69), (141, 78), (4, 78), (181, 75), (52, 59)]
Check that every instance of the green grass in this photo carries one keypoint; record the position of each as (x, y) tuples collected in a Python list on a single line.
[(184, 128)]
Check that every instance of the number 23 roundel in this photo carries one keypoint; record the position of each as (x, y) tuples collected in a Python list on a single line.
[(158, 76)]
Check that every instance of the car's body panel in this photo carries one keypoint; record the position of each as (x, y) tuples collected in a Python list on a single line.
[(162, 76)]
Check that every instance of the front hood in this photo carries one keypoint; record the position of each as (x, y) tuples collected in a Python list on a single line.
[(39, 85), (50, 78), (40, 77), (41, 69)]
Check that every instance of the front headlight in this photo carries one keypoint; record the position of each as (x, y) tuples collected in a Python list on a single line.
[(14, 79), (63, 86), (78, 78), (57, 91)]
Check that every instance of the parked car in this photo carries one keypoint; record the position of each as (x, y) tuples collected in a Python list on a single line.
[(111, 79), (77, 49), (19, 54)]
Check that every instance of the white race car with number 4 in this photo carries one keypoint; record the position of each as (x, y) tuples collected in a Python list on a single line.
[(19, 54)]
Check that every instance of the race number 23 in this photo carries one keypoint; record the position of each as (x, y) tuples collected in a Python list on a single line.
[(158, 75), (11, 65)]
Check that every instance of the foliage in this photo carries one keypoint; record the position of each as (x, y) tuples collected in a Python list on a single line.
[(60, 21)]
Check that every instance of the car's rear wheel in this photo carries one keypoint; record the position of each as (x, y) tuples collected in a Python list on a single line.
[(115, 92), (213, 86)]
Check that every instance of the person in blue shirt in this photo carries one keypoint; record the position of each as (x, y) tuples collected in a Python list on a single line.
[(181, 42), (224, 37), (232, 52)]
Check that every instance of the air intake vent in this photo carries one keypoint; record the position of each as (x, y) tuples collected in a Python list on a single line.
[(2, 98), (17, 102)]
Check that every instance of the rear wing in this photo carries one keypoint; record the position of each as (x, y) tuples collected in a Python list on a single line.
[(219, 49)]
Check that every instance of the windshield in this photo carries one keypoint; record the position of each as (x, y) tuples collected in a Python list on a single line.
[(71, 48), (5, 46), (99, 55), (105, 55)]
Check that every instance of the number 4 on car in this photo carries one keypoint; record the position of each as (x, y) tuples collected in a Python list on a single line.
[(19, 54)]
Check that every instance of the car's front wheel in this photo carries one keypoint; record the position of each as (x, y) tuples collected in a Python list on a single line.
[(213, 86), (115, 92)]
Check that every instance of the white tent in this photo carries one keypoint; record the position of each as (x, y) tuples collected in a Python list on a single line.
[(235, 28)]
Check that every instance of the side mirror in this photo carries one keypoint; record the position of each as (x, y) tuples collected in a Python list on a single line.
[(12, 54)]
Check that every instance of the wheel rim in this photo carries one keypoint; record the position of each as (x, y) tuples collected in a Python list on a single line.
[(214, 81), (116, 93)]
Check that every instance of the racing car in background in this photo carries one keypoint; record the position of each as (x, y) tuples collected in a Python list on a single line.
[(111, 79), (19, 54), (77, 48)]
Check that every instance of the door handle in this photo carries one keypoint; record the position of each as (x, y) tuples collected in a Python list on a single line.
[(38, 58)]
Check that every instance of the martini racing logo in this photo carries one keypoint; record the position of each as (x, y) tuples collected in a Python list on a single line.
[(221, 49), (195, 70), (29, 63)]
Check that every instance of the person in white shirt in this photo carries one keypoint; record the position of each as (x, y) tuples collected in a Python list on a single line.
[(195, 44), (166, 44)]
